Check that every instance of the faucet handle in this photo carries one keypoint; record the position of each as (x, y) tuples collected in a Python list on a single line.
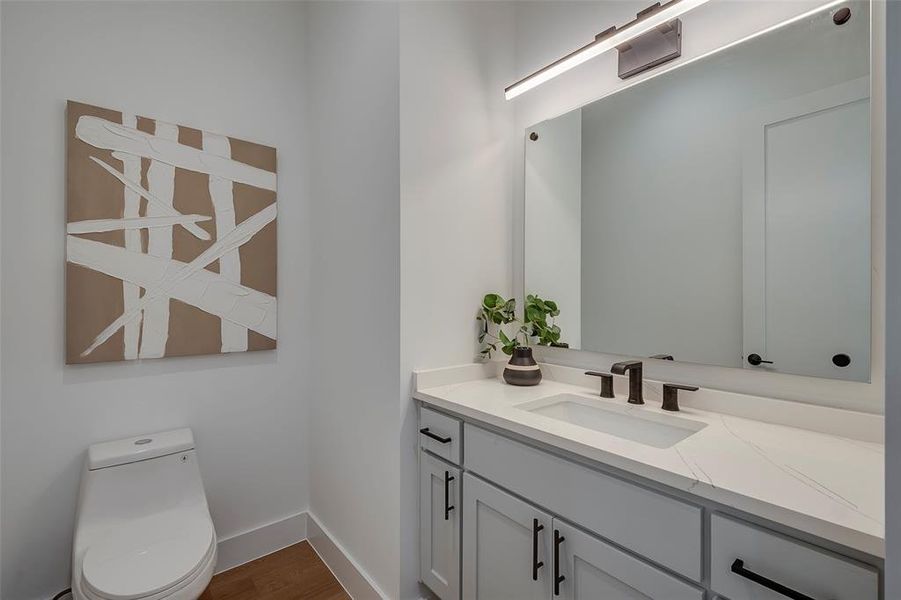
[(606, 383), (671, 395)]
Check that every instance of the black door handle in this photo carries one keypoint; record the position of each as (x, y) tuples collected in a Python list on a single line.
[(425, 431), (536, 564), (756, 359), (447, 507), (558, 578), (738, 567)]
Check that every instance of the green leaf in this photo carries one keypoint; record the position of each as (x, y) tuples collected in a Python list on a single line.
[(534, 315), (491, 300)]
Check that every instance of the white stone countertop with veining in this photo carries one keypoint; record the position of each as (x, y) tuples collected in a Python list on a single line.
[(807, 467)]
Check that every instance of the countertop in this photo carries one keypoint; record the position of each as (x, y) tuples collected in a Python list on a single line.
[(824, 484)]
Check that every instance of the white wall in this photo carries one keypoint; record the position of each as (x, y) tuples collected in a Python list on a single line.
[(456, 200), (352, 49), (893, 308), (547, 30), (236, 69)]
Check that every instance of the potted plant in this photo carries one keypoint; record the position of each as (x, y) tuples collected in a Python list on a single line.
[(537, 325)]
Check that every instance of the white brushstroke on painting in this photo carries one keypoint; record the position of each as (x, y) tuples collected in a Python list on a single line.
[(161, 206), (234, 338), (160, 183), (131, 208), (211, 292), (237, 237), (107, 135), (132, 225)]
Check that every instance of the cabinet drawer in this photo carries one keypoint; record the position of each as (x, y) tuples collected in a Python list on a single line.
[(440, 434), (782, 561), (663, 529)]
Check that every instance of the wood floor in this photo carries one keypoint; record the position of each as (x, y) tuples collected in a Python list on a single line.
[(293, 573)]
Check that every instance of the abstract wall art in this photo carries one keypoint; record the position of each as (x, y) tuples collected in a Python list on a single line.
[(170, 239)]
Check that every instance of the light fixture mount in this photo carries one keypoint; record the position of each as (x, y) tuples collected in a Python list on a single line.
[(659, 45)]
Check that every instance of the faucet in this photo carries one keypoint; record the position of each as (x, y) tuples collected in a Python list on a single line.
[(633, 367)]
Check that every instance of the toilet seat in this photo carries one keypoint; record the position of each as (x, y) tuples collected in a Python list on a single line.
[(148, 556)]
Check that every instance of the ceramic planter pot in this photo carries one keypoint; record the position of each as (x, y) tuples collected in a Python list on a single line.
[(522, 368)]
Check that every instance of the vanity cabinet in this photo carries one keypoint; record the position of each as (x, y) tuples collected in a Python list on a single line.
[(514, 521), (512, 549), (661, 528), (439, 526)]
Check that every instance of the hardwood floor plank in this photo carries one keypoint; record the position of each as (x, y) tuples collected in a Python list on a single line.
[(295, 573)]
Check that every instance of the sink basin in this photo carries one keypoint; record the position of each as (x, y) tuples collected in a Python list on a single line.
[(623, 421)]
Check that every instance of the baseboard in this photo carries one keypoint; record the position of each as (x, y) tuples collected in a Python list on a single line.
[(250, 545), (256, 543), (345, 569)]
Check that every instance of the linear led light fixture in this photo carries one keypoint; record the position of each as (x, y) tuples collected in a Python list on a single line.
[(649, 19)]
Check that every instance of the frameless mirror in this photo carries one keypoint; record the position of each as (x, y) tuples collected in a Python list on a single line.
[(717, 213)]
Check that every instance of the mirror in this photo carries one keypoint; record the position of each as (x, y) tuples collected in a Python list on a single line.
[(718, 213)]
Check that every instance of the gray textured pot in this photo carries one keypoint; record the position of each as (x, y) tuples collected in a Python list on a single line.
[(522, 368)]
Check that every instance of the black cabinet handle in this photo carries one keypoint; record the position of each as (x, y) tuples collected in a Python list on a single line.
[(738, 567), (756, 359), (536, 564), (558, 578), (425, 431), (447, 507)]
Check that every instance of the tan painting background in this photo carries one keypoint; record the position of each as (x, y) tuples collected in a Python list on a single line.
[(94, 300)]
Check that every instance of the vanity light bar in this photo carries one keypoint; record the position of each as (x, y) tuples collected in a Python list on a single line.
[(647, 20)]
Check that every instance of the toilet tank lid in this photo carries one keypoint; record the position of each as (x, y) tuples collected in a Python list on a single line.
[(142, 447)]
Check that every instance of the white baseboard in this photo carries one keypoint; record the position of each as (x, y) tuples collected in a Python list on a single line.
[(250, 545), (256, 543), (355, 580)]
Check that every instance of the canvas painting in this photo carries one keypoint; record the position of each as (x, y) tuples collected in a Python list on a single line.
[(170, 239)]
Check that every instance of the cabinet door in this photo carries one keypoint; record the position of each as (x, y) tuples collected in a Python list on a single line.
[(589, 569), (505, 545), (439, 526)]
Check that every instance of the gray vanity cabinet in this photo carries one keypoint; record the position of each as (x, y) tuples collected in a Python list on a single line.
[(439, 526), (595, 536), (506, 545), (513, 550)]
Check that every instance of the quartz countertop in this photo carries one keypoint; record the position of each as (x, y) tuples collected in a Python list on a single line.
[(827, 485)]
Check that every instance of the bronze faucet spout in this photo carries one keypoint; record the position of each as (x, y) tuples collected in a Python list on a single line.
[(634, 369)]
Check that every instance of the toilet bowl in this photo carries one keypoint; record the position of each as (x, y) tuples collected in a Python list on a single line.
[(143, 529)]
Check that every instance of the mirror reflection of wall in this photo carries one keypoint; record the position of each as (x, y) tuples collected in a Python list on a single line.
[(706, 213)]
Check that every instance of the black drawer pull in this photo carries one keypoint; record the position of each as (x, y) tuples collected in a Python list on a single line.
[(558, 578), (447, 506), (425, 431), (738, 567), (536, 564)]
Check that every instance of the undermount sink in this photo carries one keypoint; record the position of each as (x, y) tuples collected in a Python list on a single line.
[(624, 421)]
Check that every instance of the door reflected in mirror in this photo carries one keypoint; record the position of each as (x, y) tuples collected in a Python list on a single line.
[(718, 213)]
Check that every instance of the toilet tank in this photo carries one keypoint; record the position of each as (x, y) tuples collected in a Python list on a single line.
[(137, 476)]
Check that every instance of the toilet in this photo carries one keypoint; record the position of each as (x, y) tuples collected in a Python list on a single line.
[(143, 529)]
